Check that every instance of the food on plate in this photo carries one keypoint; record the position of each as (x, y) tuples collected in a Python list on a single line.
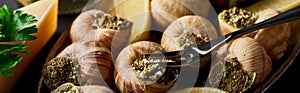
[(273, 38), (229, 76), (91, 24), (133, 74), (186, 31), (71, 88), (235, 18), (166, 11), (84, 63), (97, 25), (248, 55)]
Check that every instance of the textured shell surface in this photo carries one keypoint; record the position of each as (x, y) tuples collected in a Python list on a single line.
[(95, 61), (195, 24), (251, 55), (126, 79), (274, 38)]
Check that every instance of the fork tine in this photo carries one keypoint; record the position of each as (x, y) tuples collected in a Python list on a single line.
[(171, 64), (173, 54)]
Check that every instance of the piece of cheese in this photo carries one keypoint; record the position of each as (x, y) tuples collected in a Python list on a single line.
[(136, 11), (26, 2), (46, 12), (280, 5)]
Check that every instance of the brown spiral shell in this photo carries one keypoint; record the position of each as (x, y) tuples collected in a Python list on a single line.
[(84, 28), (126, 79), (251, 55), (69, 87), (94, 59), (166, 11), (274, 38), (195, 24)]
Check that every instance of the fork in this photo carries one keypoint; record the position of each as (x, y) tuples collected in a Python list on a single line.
[(193, 54)]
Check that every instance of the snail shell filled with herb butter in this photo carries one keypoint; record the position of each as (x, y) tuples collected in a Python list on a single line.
[(133, 74), (250, 54), (71, 88), (95, 25), (166, 11), (188, 31), (82, 63), (273, 38), (235, 18)]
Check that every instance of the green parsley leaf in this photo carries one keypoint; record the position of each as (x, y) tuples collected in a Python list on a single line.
[(15, 26), (18, 48)]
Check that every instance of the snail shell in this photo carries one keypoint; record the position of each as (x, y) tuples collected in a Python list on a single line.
[(172, 38), (83, 27), (126, 79), (94, 59), (86, 28), (234, 19), (251, 55), (194, 24), (166, 11), (71, 88), (274, 38)]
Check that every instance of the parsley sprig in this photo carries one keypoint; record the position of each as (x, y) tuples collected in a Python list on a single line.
[(14, 26)]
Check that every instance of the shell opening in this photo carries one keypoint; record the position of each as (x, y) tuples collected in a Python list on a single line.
[(238, 18), (108, 21), (61, 70), (154, 73), (189, 38), (230, 76)]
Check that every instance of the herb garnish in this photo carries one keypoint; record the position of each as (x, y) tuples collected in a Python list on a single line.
[(14, 26)]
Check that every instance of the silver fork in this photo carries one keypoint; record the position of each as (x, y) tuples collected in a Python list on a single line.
[(193, 54)]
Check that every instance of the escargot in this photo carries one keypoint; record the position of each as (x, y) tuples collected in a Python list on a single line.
[(251, 56), (274, 38), (81, 63), (188, 31), (133, 74), (166, 11), (95, 25), (71, 88), (235, 18)]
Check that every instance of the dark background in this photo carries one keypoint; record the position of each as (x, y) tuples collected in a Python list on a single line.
[(28, 83)]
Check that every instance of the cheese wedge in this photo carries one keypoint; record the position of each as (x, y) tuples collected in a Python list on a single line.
[(26, 2), (46, 12), (136, 11), (281, 5)]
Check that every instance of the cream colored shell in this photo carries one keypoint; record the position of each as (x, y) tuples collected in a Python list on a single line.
[(82, 89), (95, 61), (250, 54), (166, 11), (193, 23), (125, 77), (84, 28), (274, 38)]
